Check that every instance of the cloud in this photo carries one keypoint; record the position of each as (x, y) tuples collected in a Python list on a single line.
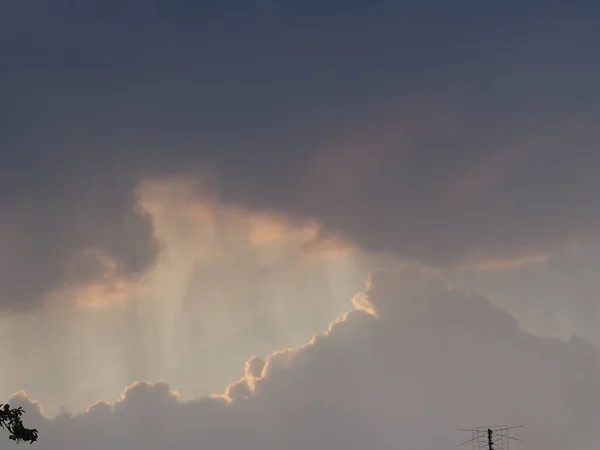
[(553, 296), (436, 133), (186, 217), (431, 359), (70, 236), (506, 264), (218, 288)]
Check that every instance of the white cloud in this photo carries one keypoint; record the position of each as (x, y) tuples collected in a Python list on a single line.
[(433, 360)]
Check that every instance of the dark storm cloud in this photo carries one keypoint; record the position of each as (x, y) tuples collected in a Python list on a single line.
[(439, 131)]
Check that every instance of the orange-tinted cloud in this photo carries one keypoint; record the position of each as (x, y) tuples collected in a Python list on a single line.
[(506, 264)]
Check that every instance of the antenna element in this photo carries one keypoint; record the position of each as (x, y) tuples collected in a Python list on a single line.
[(494, 438)]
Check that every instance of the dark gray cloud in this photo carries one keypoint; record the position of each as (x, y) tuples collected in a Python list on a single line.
[(433, 360), (438, 132)]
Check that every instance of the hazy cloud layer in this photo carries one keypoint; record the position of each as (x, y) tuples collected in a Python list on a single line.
[(556, 297), (430, 360), (445, 133)]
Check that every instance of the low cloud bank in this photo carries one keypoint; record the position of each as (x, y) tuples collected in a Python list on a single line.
[(414, 361)]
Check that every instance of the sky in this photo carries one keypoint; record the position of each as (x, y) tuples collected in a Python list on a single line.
[(298, 223)]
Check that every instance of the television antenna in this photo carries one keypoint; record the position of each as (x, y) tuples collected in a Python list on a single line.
[(492, 438)]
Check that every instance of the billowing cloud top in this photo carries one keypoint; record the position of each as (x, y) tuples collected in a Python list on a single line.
[(447, 133), (414, 362)]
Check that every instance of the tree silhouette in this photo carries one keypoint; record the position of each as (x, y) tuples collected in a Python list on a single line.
[(10, 419)]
